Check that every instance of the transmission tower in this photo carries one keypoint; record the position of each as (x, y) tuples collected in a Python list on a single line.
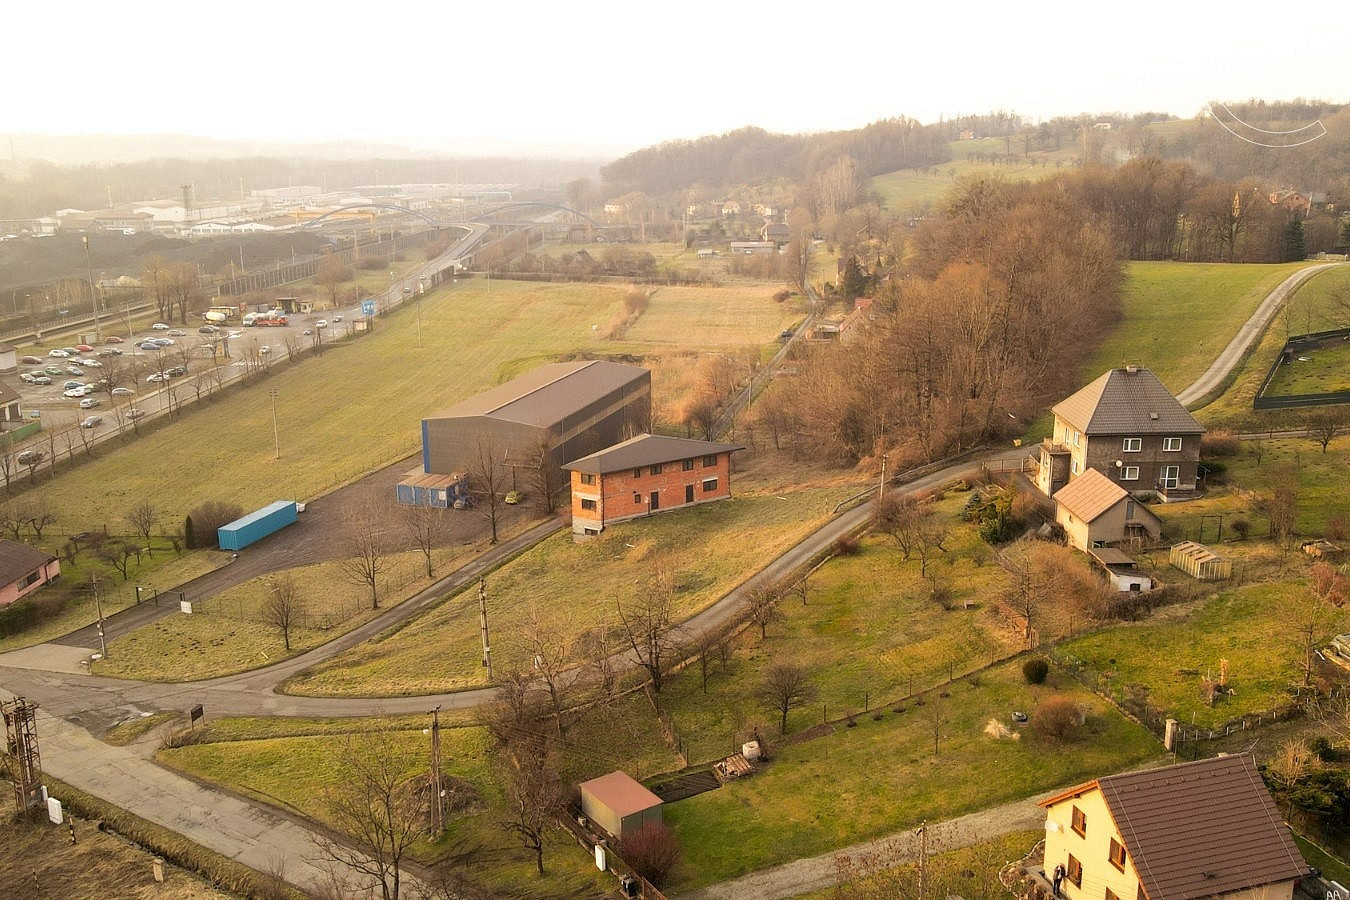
[(23, 759)]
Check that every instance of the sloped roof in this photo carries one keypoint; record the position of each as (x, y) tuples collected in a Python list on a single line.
[(1201, 829), (1129, 401), (646, 450), (1089, 495), (620, 793), (548, 394), (18, 560)]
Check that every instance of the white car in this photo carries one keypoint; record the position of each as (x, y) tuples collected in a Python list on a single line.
[(122, 392), (90, 403), (322, 323), (91, 363), (73, 393), (264, 350), (177, 332), (337, 318), (160, 326), (156, 378), (59, 354)]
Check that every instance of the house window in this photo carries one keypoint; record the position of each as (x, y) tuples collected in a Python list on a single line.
[(587, 478), (1129, 473), (637, 498), (1075, 467), (1171, 445), (1075, 872), (1076, 436), (709, 485), (1129, 510), (655, 470), (1133, 445), (28, 579), (710, 460), (1170, 476), (1117, 855), (1079, 823), (588, 505), (687, 465), (637, 473)]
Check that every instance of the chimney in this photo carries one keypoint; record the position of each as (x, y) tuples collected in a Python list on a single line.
[(1132, 369)]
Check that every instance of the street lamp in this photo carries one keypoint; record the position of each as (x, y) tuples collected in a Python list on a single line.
[(276, 432), (93, 291)]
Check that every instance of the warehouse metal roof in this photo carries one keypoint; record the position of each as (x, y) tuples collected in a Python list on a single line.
[(548, 394)]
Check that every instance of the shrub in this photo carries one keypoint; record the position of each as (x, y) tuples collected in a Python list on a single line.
[(1336, 527), (1057, 718), (203, 521), (1035, 669), (372, 263), (847, 545), (780, 296), (1219, 443), (1242, 527)]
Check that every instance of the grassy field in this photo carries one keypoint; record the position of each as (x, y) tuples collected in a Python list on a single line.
[(294, 771), (229, 634), (163, 571), (791, 810), (439, 651), (1314, 372), (358, 406), (909, 191)]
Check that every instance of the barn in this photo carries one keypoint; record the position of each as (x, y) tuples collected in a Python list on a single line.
[(567, 410)]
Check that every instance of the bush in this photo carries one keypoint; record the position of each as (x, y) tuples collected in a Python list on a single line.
[(372, 263), (1219, 443), (847, 545), (652, 851), (1242, 527), (203, 521), (1057, 718), (1035, 670)]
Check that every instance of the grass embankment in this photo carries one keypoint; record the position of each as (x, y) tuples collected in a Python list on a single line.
[(575, 587), (229, 633), (163, 571), (358, 406), (1311, 308), (888, 777), (292, 763)]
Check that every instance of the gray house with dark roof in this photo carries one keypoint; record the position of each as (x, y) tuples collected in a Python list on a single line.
[(1129, 427), (1206, 829), (567, 409)]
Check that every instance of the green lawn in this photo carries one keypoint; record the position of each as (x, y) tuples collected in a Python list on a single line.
[(358, 406), (294, 771), (1314, 372), (887, 778), (911, 192), (574, 587)]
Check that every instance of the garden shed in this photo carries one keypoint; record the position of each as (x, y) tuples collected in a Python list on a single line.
[(619, 804), (1200, 562)]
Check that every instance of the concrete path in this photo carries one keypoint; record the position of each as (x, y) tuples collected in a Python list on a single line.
[(247, 832), (817, 873), (1213, 378)]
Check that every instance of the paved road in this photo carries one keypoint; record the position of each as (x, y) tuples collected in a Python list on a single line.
[(1213, 378)]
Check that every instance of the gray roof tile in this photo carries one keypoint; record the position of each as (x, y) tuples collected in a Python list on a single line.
[(1129, 401)]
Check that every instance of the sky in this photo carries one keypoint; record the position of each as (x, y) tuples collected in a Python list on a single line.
[(601, 78)]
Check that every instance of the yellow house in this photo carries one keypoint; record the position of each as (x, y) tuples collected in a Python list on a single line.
[(1204, 829), (1095, 511)]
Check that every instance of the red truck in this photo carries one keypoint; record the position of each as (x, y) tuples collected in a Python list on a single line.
[(269, 319)]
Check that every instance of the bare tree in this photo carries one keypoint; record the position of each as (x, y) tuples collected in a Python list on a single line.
[(550, 653), (935, 718), (1283, 506), (363, 545), (533, 798), (141, 517), (1325, 424), (648, 625), (118, 554), (544, 477), (331, 273), (38, 515), (762, 607), (598, 647), (487, 481), (786, 685), (426, 526), (13, 517), (378, 802), (709, 647), (1311, 620), (282, 607)]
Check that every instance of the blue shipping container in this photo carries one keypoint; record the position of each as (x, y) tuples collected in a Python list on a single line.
[(256, 525)]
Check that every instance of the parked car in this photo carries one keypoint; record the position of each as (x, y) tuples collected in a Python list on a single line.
[(41, 379), (264, 350), (58, 354), (308, 332), (156, 378), (92, 363), (31, 360), (176, 371), (92, 422), (72, 384), (160, 326), (90, 403), (30, 457), (149, 345), (337, 318), (71, 351), (123, 392), (54, 370), (163, 342), (109, 351), (207, 329), (74, 370), (26, 377), (514, 497), (134, 413), (113, 339), (322, 323), (75, 393), (84, 348), (177, 332)]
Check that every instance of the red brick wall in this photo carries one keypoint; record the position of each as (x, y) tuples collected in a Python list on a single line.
[(614, 492)]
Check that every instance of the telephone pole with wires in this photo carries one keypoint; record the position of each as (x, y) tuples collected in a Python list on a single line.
[(483, 625), (24, 760), (437, 794)]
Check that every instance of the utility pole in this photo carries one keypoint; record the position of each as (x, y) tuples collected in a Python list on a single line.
[(24, 760), (276, 431), (881, 490), (93, 289), (98, 605), (437, 807), (923, 860), (482, 622)]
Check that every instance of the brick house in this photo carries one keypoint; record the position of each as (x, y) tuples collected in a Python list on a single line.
[(24, 570), (1206, 829), (644, 475), (1128, 427)]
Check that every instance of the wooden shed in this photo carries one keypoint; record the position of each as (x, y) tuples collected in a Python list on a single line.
[(1200, 562), (618, 804)]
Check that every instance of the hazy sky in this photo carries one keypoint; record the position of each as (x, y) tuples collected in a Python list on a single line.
[(621, 75)]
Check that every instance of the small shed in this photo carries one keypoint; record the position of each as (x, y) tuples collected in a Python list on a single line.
[(419, 488), (1121, 570), (1200, 562), (619, 804)]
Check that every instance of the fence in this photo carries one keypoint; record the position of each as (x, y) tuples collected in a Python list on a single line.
[(589, 839), (300, 269), (1298, 344)]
